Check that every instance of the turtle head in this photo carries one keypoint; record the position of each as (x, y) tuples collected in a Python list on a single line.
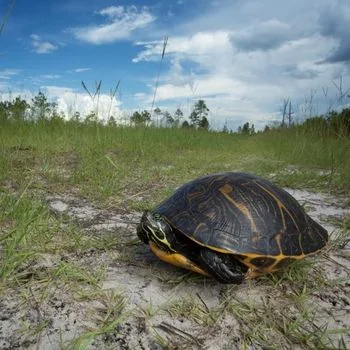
[(153, 227)]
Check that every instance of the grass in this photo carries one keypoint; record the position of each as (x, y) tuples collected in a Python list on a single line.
[(111, 313), (123, 169), (110, 165), (265, 325), (284, 316), (195, 311), (26, 221)]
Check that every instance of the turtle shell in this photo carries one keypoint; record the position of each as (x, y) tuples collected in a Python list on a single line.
[(243, 214)]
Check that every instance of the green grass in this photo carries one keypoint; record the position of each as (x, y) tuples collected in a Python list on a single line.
[(195, 311), (26, 229), (117, 165), (266, 324), (111, 314)]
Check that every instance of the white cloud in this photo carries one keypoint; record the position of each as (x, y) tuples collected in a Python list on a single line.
[(50, 76), (200, 43), (40, 46), (80, 70), (35, 37), (113, 11), (10, 95), (6, 74), (70, 101), (120, 24), (141, 96)]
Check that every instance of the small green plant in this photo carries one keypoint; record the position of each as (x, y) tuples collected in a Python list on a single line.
[(111, 313)]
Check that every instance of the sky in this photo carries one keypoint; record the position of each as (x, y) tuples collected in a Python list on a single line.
[(244, 58)]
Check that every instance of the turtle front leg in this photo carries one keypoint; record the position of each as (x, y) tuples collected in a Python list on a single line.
[(223, 267)]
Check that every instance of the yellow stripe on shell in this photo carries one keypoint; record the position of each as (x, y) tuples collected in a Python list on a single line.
[(280, 206), (225, 190)]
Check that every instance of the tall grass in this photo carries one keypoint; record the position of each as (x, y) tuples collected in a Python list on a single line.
[(321, 161), (107, 162)]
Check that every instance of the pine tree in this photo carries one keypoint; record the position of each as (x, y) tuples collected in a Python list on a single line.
[(199, 112)]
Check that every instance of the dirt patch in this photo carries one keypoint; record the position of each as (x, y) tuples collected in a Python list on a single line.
[(138, 302)]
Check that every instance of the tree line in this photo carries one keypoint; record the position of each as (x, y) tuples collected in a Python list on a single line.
[(333, 124), (41, 109), (197, 119)]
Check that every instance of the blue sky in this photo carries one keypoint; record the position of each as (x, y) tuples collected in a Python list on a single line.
[(243, 57)]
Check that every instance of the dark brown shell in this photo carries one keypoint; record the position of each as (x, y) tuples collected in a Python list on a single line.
[(243, 214)]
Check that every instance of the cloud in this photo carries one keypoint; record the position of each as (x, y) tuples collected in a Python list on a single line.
[(11, 95), (201, 43), (114, 11), (40, 46), (70, 101), (334, 23), (80, 70), (299, 72), (6, 74), (50, 76), (238, 83), (263, 36), (120, 23)]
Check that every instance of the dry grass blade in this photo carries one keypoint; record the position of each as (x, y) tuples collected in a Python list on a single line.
[(98, 88), (144, 191), (86, 89), (165, 43), (327, 257), (7, 15), (178, 332), (113, 93), (203, 302)]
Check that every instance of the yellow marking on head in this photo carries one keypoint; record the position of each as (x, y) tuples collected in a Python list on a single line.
[(280, 206), (161, 240), (225, 190), (176, 259)]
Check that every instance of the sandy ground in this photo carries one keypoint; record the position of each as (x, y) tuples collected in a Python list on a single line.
[(152, 290)]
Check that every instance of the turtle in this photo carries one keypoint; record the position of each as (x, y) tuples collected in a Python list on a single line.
[(231, 226)]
